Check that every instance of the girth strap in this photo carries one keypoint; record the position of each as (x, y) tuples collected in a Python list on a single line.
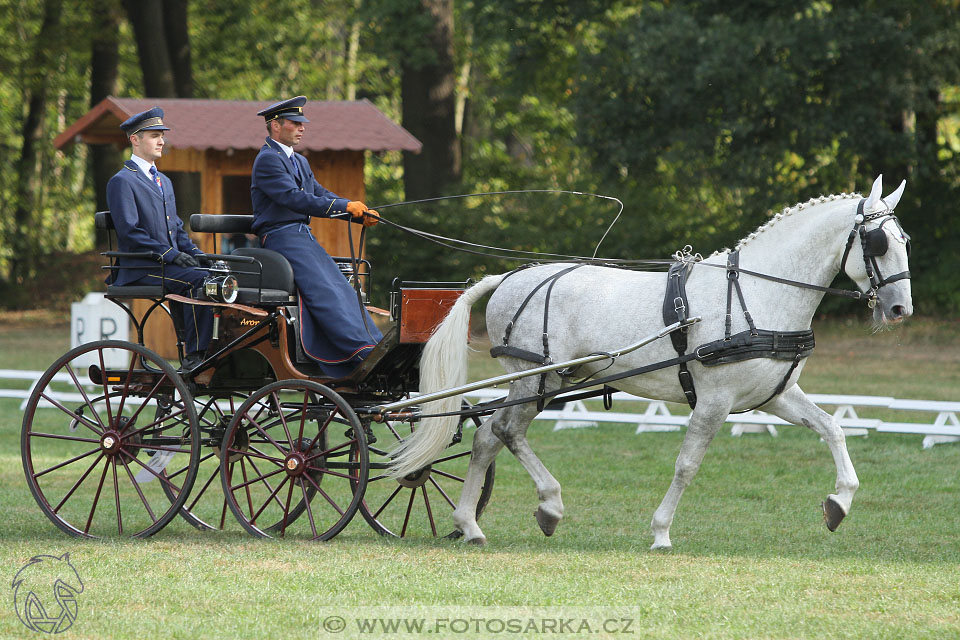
[(506, 350), (676, 308)]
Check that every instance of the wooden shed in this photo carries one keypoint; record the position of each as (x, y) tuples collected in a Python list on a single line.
[(213, 143)]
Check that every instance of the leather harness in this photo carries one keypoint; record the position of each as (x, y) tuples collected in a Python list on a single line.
[(792, 346)]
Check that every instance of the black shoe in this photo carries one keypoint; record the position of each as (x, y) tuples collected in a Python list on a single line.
[(190, 362)]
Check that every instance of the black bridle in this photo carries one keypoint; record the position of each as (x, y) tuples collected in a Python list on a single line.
[(874, 244)]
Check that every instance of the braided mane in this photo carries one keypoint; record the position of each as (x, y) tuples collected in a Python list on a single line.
[(788, 211)]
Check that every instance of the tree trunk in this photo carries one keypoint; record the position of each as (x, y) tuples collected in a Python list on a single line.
[(24, 243), (147, 19), (104, 65), (429, 109), (178, 45)]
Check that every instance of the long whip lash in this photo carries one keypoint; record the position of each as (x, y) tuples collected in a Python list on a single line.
[(529, 256)]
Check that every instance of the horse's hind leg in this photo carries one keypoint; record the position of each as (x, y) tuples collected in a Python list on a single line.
[(704, 423), (796, 408), (510, 425), (486, 446)]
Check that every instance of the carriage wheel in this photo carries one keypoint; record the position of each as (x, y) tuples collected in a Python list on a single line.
[(206, 509), (95, 448), (294, 448), (420, 503)]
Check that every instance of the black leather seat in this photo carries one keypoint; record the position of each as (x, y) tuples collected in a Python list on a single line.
[(275, 287)]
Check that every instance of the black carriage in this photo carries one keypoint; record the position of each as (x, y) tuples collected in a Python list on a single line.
[(117, 441)]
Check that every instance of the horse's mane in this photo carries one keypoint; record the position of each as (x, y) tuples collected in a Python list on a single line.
[(787, 211)]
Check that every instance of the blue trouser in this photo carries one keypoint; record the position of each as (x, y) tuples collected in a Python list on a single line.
[(335, 330), (197, 320)]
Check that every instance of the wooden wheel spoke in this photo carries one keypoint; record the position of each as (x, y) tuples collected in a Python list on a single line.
[(136, 485), (306, 501), (443, 493), (406, 516), (426, 504), (77, 484), (59, 437), (80, 419), (446, 475), (162, 478), (206, 485), (387, 502), (66, 462), (86, 399), (96, 498), (116, 495), (273, 496)]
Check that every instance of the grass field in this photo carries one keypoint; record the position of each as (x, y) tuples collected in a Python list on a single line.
[(751, 559)]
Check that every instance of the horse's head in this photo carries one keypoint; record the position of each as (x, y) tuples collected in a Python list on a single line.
[(884, 249)]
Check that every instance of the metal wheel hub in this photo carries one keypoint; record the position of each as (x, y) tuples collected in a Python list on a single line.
[(295, 464), (110, 442), (416, 479)]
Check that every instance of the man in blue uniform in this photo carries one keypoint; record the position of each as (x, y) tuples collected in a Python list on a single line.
[(144, 213), (335, 329)]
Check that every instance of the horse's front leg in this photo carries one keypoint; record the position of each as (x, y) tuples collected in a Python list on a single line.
[(796, 408), (704, 423)]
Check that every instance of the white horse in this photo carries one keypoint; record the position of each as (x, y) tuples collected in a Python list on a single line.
[(596, 309)]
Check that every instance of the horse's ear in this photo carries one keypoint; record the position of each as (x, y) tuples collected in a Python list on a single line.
[(875, 194), (892, 199)]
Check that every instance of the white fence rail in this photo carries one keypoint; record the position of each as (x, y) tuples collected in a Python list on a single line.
[(656, 415)]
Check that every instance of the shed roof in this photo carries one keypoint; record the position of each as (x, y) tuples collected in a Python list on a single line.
[(234, 124)]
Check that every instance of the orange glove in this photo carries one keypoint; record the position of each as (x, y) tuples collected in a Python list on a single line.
[(356, 208), (370, 218)]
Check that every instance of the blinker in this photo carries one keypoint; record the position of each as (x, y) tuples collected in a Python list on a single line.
[(876, 243)]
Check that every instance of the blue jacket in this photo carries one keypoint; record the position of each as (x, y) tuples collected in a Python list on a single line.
[(144, 221), (280, 198)]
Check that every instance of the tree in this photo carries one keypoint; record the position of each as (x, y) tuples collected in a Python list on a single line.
[(715, 114), (36, 93), (104, 67)]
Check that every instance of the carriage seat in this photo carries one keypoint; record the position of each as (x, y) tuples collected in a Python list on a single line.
[(270, 280), (103, 221)]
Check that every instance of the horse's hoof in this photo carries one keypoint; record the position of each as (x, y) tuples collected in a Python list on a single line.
[(833, 513), (548, 522), (477, 542), (661, 547)]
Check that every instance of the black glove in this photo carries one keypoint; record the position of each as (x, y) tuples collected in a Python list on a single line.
[(185, 260)]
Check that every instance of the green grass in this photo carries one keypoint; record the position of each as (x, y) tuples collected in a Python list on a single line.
[(751, 556)]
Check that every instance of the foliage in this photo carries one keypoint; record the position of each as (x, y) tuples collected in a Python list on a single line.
[(702, 116), (732, 111)]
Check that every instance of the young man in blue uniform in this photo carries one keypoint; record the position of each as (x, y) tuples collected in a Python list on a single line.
[(144, 213), (335, 329)]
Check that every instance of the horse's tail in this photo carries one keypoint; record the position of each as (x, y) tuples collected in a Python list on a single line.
[(442, 366)]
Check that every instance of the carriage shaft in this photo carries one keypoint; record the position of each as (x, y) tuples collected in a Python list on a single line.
[(547, 368)]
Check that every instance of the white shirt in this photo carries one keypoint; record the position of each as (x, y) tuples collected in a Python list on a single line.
[(143, 164), (287, 150)]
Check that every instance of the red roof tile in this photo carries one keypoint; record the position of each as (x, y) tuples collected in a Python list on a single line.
[(234, 124)]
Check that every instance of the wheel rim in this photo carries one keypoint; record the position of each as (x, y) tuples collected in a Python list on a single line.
[(419, 504), (297, 448), (93, 450)]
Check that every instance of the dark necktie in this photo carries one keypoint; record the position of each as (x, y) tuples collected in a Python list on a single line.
[(156, 178), (296, 169)]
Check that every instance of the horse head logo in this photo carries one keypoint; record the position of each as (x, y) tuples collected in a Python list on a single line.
[(45, 593)]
